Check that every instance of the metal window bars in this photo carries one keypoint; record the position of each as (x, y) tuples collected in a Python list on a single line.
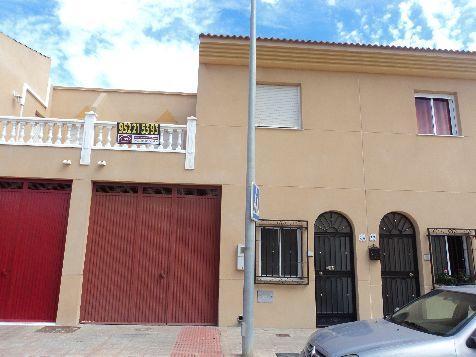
[(282, 252), (452, 255)]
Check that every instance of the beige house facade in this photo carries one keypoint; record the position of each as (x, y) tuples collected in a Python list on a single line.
[(357, 148)]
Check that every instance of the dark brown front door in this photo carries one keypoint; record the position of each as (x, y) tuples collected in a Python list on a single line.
[(152, 255), (399, 263), (334, 267)]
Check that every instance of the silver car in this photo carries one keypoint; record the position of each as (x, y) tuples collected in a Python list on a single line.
[(440, 323)]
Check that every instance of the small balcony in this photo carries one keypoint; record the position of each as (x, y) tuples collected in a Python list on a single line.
[(91, 134)]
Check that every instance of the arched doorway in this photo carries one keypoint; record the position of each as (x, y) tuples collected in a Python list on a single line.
[(399, 262), (334, 267)]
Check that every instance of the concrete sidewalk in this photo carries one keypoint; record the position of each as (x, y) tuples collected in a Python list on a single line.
[(133, 340)]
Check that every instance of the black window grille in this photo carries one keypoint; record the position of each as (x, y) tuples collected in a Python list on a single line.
[(281, 252), (452, 255)]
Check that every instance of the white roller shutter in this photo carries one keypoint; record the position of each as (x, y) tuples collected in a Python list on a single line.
[(278, 106)]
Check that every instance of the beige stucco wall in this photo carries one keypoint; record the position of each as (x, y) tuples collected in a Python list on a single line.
[(19, 65), (123, 105), (358, 154)]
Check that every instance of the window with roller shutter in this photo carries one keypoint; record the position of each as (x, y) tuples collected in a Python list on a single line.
[(278, 106)]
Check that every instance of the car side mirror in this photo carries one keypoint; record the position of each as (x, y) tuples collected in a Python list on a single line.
[(471, 342)]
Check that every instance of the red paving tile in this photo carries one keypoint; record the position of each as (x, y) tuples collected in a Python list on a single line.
[(198, 341)]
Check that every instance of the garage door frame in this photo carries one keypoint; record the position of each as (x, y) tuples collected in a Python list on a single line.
[(181, 197)]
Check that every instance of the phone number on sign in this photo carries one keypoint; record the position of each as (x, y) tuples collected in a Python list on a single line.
[(138, 128)]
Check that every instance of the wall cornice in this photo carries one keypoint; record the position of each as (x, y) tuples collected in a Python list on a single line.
[(347, 59)]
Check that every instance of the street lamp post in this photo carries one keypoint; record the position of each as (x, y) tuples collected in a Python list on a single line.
[(248, 288)]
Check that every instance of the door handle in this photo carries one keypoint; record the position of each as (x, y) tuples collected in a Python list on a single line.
[(162, 275), (330, 267), (411, 275)]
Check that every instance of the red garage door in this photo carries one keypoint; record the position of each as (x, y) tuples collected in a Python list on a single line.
[(33, 222), (152, 255)]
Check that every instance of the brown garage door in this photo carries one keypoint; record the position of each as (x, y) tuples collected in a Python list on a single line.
[(152, 255)]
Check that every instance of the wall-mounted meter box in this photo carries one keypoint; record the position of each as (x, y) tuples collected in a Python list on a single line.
[(240, 257)]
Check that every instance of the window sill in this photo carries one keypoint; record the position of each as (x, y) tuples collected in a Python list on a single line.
[(442, 136), (282, 281), (278, 127)]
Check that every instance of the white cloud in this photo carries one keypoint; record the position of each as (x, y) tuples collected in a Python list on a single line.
[(331, 2), (270, 2), (442, 19), (472, 44), (143, 44), (123, 54)]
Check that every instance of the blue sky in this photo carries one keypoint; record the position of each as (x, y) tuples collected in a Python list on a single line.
[(153, 44)]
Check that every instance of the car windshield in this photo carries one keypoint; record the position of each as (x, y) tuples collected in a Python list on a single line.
[(440, 312)]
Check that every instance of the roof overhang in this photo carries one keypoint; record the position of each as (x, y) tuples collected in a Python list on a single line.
[(271, 53)]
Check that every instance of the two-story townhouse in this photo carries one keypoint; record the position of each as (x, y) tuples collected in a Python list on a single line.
[(357, 147)]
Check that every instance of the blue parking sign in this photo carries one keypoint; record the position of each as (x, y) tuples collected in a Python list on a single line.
[(254, 202)]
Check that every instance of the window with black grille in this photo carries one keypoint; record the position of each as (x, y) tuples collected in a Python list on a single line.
[(281, 252)]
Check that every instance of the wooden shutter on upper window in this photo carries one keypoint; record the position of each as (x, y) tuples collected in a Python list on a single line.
[(278, 106)]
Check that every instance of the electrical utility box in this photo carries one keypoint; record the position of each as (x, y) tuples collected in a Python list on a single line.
[(240, 257)]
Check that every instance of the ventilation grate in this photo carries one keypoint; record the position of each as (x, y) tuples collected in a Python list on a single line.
[(49, 186), (154, 190), (11, 185), (117, 189), (213, 192)]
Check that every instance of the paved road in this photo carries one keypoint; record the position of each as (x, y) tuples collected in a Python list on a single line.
[(133, 340)]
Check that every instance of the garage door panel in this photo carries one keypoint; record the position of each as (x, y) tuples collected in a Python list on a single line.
[(39, 252), (9, 208), (152, 259), (194, 284), (171, 264), (108, 272), (36, 217)]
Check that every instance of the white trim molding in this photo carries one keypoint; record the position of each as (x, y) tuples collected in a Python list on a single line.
[(27, 88)]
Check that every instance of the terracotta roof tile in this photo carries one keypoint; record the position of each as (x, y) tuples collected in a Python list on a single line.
[(337, 44)]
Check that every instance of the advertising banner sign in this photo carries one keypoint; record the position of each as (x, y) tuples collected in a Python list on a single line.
[(138, 133)]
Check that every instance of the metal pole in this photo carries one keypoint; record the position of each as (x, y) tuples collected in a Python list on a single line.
[(248, 288)]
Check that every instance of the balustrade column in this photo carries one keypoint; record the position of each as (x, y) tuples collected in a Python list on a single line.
[(179, 139), (21, 135), (78, 134), (161, 139), (13, 133), (59, 137), (99, 137), (170, 132), (3, 134), (68, 134), (108, 136)]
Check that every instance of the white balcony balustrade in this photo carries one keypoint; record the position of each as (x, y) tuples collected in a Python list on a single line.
[(91, 134), (41, 132)]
